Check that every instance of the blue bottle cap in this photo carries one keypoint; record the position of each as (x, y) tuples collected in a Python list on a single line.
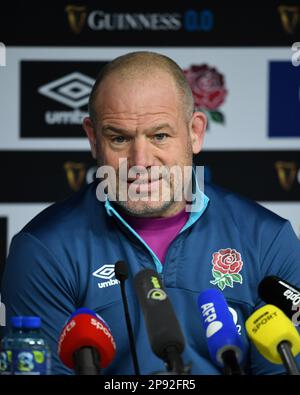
[(31, 322), (16, 321)]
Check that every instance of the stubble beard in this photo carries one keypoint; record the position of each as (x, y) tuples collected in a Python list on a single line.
[(162, 207)]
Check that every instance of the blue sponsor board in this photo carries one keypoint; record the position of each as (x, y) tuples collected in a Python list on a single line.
[(284, 100)]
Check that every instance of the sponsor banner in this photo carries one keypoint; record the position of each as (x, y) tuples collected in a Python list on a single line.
[(39, 176), (288, 210), (259, 175), (284, 99), (191, 23), (3, 243), (45, 176), (234, 95), (59, 93)]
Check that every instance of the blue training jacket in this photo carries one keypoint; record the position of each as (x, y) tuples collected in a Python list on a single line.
[(55, 263)]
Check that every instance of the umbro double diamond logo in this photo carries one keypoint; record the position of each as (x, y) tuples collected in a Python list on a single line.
[(106, 272)]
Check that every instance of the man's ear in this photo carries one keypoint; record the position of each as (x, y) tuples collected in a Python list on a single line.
[(197, 130), (91, 134)]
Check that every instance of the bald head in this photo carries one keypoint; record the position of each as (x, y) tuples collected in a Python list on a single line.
[(142, 65)]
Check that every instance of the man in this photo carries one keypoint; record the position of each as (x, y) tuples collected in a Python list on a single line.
[(142, 118)]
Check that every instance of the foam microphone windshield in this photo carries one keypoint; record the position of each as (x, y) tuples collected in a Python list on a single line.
[(86, 330), (274, 290), (161, 322), (274, 336), (224, 343)]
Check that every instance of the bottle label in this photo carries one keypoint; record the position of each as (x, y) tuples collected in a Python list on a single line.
[(5, 362), (30, 362)]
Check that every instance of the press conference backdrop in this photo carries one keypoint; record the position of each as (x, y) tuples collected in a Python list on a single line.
[(50, 56)]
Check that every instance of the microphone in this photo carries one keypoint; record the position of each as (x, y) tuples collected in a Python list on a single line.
[(274, 336), (274, 290), (86, 343), (82, 310), (224, 343), (121, 273), (165, 335)]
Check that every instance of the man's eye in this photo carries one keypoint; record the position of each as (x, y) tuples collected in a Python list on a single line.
[(160, 136), (118, 139)]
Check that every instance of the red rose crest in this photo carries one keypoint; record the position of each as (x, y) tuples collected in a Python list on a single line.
[(227, 264), (208, 89)]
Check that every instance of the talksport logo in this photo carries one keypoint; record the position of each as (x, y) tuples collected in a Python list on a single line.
[(59, 93)]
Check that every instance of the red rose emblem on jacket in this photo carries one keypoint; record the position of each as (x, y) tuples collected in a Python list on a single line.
[(207, 85), (227, 261)]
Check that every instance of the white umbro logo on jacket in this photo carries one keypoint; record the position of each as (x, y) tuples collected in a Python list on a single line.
[(106, 272)]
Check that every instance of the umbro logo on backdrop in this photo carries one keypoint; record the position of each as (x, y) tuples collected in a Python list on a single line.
[(72, 90), (106, 272), (59, 93)]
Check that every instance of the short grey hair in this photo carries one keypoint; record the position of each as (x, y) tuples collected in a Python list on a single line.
[(142, 63)]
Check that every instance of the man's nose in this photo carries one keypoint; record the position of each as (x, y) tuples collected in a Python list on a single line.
[(140, 153)]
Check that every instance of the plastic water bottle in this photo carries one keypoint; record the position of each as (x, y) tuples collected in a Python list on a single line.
[(30, 352), (6, 345)]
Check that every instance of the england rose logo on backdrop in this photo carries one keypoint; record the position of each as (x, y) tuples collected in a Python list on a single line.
[(209, 91), (227, 264)]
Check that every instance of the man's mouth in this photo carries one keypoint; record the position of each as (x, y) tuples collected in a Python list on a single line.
[(143, 185), (139, 181)]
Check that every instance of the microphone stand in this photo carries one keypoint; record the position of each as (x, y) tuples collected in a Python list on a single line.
[(121, 273), (231, 365), (174, 363), (86, 361), (130, 331), (174, 360), (284, 350)]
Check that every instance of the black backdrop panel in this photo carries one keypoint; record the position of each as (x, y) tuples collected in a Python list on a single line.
[(183, 23), (46, 176)]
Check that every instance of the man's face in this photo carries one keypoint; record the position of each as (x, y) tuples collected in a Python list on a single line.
[(141, 121)]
